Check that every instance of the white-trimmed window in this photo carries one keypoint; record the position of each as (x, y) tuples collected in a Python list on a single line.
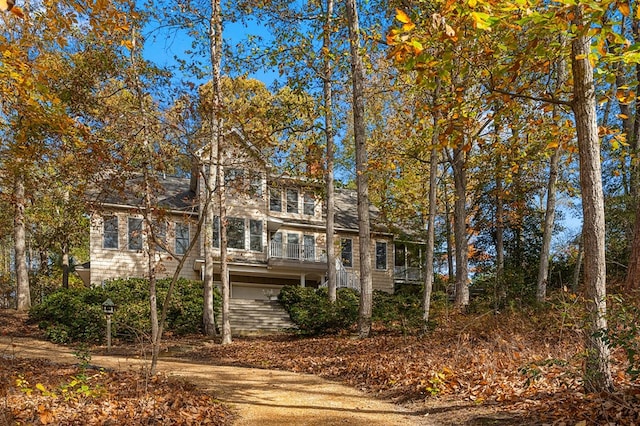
[(235, 233), (255, 184), (293, 246), (381, 255), (135, 233), (346, 252), (309, 204), (292, 201), (275, 200), (255, 235), (110, 232), (182, 237)]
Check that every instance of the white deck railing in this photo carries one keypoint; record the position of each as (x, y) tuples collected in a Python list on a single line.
[(302, 252)]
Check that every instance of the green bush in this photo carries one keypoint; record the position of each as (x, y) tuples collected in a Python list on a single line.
[(76, 314), (311, 311), (400, 311), (66, 317)]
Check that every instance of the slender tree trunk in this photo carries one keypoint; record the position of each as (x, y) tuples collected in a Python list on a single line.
[(633, 271), (500, 292), (549, 216), (20, 245), (449, 237), (547, 231), (208, 314), (328, 128), (576, 272), (460, 228), (149, 204), (431, 220), (215, 39), (597, 368), (362, 182)]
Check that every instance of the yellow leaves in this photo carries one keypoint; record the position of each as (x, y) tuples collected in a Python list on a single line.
[(472, 3), (553, 145), (402, 16), (128, 44), (481, 20)]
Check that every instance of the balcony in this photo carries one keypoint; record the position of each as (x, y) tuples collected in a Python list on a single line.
[(407, 274), (296, 255)]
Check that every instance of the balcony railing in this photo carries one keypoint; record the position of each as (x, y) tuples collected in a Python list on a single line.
[(407, 274), (301, 252)]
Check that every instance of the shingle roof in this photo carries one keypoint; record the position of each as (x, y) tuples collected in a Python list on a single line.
[(171, 192)]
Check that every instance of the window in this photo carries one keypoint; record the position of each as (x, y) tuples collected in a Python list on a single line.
[(309, 247), (135, 233), (293, 246), (346, 254), (235, 233), (381, 255), (292, 201), (233, 178), (275, 200), (309, 206), (216, 231), (110, 232), (182, 238), (255, 235)]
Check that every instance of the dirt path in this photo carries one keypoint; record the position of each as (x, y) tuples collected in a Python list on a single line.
[(261, 397)]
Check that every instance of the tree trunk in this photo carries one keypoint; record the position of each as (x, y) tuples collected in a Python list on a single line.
[(633, 272), (215, 39), (597, 369), (20, 245), (449, 236), (362, 182), (328, 128), (460, 228), (208, 314), (500, 293), (549, 216), (547, 231), (65, 265), (431, 220)]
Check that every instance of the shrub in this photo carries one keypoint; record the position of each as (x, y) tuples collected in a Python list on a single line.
[(401, 311), (66, 317), (76, 314), (311, 311)]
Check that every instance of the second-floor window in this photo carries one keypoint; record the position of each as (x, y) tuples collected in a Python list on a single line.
[(381, 255), (255, 235), (235, 233), (135, 233), (275, 200), (292, 201), (309, 205), (346, 253), (182, 237), (233, 179), (110, 232)]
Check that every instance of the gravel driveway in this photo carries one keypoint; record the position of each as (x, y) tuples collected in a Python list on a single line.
[(260, 397)]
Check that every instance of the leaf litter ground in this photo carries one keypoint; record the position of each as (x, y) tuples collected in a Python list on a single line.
[(521, 368)]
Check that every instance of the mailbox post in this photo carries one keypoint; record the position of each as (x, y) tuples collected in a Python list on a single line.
[(108, 307)]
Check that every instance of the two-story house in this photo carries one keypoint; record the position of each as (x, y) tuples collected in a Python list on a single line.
[(275, 230)]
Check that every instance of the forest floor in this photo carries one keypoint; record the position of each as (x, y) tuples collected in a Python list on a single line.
[(485, 369)]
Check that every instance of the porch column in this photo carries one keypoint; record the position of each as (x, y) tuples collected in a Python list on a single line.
[(302, 280)]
